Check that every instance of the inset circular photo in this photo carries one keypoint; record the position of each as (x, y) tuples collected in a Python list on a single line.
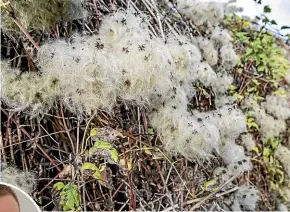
[(13, 199)]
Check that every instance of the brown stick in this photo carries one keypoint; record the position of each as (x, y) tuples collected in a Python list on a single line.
[(37, 145), (48, 184), (21, 27), (213, 193)]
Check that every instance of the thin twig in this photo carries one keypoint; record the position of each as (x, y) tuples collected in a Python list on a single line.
[(158, 19), (186, 203), (164, 184), (21, 27), (9, 135), (66, 129), (19, 135), (86, 129), (2, 149), (48, 184), (214, 193), (227, 192), (37, 145)]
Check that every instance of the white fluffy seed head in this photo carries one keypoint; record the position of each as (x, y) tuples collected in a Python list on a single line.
[(44, 15), (183, 134), (122, 27), (221, 173), (232, 122), (240, 166), (184, 56), (125, 61), (27, 91), (80, 72), (222, 100), (282, 153), (208, 50), (202, 12), (248, 142), (245, 198), (26, 181), (223, 83), (221, 37), (205, 74), (269, 126), (277, 106), (228, 56), (232, 153)]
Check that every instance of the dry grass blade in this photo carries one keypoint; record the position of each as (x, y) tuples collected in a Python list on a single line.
[(214, 193)]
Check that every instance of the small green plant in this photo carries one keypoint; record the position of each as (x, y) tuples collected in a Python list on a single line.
[(273, 166), (101, 147), (69, 196), (106, 147), (261, 60), (251, 123), (235, 93)]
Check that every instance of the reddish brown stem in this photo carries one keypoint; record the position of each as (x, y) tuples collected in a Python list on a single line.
[(37, 145), (21, 27)]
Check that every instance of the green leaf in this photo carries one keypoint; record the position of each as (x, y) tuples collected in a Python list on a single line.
[(252, 124), (97, 175), (265, 20), (258, 98), (273, 185), (280, 92), (266, 152), (233, 87), (267, 9), (237, 96), (281, 176), (106, 146), (73, 198), (90, 166), (58, 186), (256, 82), (248, 52), (285, 27), (70, 198), (150, 131), (274, 142), (114, 154), (240, 70), (255, 149), (208, 185), (261, 68), (263, 56), (94, 132), (273, 22), (251, 89), (250, 119), (147, 150)]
